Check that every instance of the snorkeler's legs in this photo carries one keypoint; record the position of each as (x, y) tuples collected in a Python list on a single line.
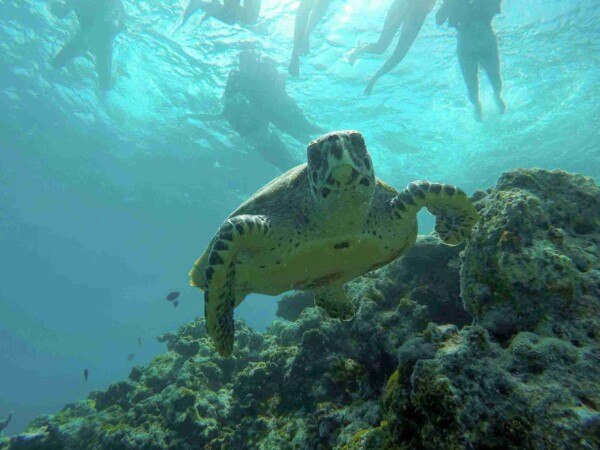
[(272, 148), (250, 12), (104, 53), (490, 61), (72, 49), (469, 67), (410, 31), (393, 20), (300, 25), (287, 116), (318, 11)]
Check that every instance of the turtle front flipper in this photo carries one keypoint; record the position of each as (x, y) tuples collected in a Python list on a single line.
[(455, 214), (335, 302), (239, 233)]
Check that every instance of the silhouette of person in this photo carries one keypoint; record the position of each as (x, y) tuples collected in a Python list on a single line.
[(477, 45), (254, 98), (229, 12), (100, 21), (309, 14), (260, 81), (408, 14)]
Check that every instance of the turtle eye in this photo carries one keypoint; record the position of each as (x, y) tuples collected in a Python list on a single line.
[(314, 156)]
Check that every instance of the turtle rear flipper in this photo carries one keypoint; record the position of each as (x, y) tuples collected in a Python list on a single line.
[(199, 269), (197, 274), (335, 302), (220, 295), (455, 214)]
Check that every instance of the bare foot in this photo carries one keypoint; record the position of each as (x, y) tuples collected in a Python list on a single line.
[(352, 56)]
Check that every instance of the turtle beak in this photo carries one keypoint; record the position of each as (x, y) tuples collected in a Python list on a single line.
[(340, 161)]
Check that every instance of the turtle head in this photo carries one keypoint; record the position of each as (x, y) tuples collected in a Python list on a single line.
[(340, 170)]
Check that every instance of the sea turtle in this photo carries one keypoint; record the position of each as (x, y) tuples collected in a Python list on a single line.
[(316, 227)]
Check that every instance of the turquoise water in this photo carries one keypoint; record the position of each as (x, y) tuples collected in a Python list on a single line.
[(107, 198)]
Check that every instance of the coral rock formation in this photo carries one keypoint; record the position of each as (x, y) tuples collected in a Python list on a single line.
[(532, 263)]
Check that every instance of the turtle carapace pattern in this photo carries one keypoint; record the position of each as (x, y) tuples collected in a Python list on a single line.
[(315, 228)]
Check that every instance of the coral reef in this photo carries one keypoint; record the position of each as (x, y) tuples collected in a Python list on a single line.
[(536, 393), (427, 274), (532, 263), (411, 370), (291, 305)]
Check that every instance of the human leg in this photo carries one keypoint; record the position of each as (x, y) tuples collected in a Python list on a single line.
[(72, 49), (393, 20), (316, 14), (272, 148), (490, 61), (410, 31), (300, 24), (285, 114), (250, 12), (469, 67)]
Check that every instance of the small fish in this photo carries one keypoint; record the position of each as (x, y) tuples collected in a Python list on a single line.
[(140, 341), (175, 303), (86, 374), (131, 357), (172, 296)]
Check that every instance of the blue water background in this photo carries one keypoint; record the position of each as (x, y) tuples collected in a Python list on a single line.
[(106, 199)]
